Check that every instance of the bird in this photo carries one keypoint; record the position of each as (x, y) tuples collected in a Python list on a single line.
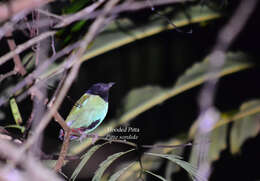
[(89, 111)]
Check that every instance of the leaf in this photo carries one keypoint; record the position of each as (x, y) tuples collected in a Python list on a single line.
[(113, 36), (158, 176), (15, 111), (75, 6), (217, 144), (244, 128), (78, 26), (28, 61), (171, 167), (194, 76), (113, 39), (116, 175), (105, 164), (153, 163), (84, 160), (140, 95), (185, 165), (246, 124), (21, 128)]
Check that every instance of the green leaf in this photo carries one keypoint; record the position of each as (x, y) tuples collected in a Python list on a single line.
[(105, 164), (157, 176), (116, 175), (245, 128), (194, 76), (15, 111), (75, 6), (140, 95), (84, 160), (28, 61), (78, 26), (113, 36), (185, 165), (21, 128)]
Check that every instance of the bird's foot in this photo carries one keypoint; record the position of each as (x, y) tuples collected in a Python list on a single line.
[(61, 135), (82, 137)]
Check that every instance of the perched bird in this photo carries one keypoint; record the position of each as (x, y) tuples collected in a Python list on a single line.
[(89, 111)]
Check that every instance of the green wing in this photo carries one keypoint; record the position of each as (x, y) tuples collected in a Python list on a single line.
[(88, 113)]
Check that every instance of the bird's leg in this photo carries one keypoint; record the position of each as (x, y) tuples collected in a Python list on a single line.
[(61, 136)]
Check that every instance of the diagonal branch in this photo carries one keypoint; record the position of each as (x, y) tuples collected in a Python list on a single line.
[(208, 113), (16, 6), (17, 60)]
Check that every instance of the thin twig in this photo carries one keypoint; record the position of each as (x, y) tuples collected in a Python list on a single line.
[(17, 61), (62, 80), (166, 146), (56, 157), (47, 13), (53, 45), (65, 144), (9, 26), (8, 74), (124, 7), (119, 141), (71, 18), (36, 73), (24, 46)]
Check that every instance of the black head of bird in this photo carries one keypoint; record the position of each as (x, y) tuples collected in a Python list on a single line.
[(101, 89)]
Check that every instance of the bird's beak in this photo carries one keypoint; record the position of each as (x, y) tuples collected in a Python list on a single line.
[(110, 84)]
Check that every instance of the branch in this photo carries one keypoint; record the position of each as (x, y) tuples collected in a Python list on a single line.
[(17, 61), (24, 46), (65, 144), (8, 74), (208, 113), (16, 6), (30, 169)]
